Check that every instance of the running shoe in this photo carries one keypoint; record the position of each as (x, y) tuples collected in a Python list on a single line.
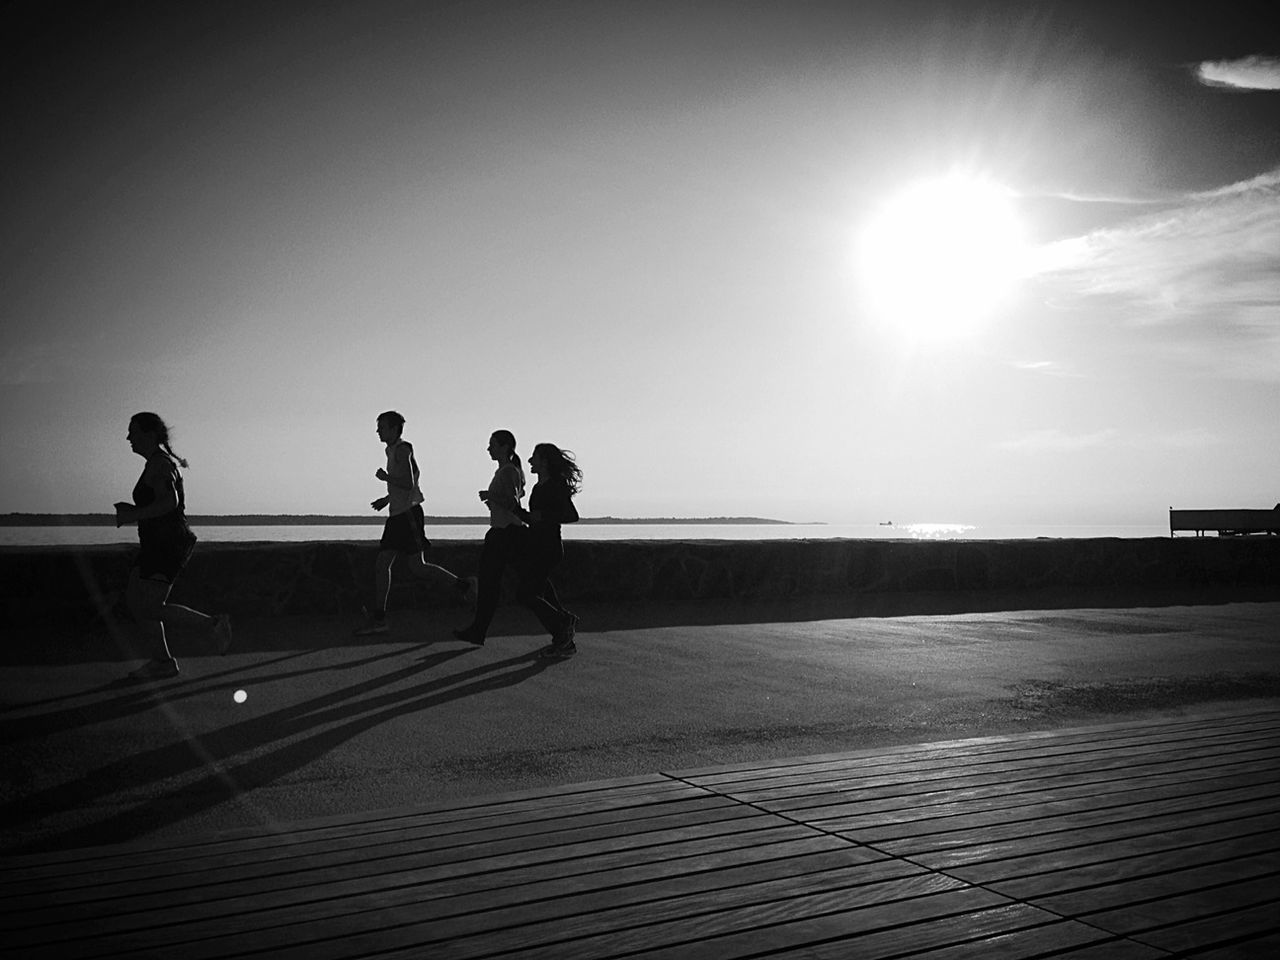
[(222, 631), (156, 670), (558, 651), (375, 629)]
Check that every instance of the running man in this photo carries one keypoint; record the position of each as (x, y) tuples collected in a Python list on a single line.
[(404, 533)]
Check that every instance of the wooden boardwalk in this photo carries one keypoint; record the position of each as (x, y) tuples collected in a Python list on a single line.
[(1135, 840)]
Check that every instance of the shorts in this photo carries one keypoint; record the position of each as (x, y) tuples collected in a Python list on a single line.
[(406, 532), (163, 551)]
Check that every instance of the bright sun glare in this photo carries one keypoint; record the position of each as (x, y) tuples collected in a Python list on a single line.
[(938, 257)]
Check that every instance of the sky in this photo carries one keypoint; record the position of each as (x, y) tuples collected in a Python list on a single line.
[(842, 262)]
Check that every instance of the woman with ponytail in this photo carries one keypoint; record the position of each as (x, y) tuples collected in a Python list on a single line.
[(502, 497), (165, 543)]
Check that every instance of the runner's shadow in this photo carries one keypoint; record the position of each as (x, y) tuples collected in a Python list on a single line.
[(140, 697), (224, 779)]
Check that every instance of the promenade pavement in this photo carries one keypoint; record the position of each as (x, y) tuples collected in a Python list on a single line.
[(331, 724)]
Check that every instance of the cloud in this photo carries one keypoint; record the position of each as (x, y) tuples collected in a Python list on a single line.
[(1207, 268), (1052, 368), (1053, 440), (1247, 73)]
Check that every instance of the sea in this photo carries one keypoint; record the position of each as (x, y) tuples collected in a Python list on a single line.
[(298, 533)]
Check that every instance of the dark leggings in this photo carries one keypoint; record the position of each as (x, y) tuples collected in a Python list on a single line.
[(536, 590), (499, 545)]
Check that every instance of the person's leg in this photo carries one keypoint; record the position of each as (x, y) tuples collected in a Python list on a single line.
[(551, 557), (145, 598), (535, 562), (386, 559), (177, 613), (382, 565), (415, 547), (160, 561), (493, 560), (532, 594), (423, 569), (219, 625), (549, 594)]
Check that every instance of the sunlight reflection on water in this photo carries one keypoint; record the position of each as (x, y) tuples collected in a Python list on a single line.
[(936, 531)]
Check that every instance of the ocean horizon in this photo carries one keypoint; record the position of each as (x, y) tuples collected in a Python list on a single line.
[(730, 529)]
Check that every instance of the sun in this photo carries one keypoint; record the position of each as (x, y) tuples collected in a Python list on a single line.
[(937, 258)]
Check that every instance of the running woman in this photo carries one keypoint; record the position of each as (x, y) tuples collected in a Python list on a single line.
[(165, 543), (502, 497), (404, 533), (550, 505)]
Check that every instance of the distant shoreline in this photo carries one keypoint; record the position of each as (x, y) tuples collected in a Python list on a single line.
[(316, 520)]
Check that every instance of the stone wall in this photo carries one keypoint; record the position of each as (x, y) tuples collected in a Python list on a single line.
[(65, 586)]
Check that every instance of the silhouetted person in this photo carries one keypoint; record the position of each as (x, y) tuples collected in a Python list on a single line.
[(404, 533), (503, 500), (165, 543), (541, 549)]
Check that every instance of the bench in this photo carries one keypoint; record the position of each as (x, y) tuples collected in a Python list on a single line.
[(1228, 523)]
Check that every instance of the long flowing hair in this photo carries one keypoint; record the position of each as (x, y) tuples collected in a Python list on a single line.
[(151, 423), (562, 465), (508, 439)]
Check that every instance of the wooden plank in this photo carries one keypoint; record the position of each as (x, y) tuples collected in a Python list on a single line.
[(1260, 818), (450, 894), (1249, 948), (1152, 920), (1065, 938), (1015, 776), (883, 791), (1188, 881), (1030, 762), (1247, 717), (1120, 949), (250, 880), (25, 868), (851, 812), (1242, 927), (313, 855), (867, 934), (771, 922), (182, 860), (1095, 865), (995, 748), (543, 905), (908, 839), (1084, 807), (1038, 940), (1164, 831)]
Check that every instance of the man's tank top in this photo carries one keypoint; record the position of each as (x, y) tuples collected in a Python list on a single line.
[(403, 500)]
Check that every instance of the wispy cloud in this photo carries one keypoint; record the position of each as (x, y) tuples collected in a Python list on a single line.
[(1049, 368), (1247, 73), (1209, 265)]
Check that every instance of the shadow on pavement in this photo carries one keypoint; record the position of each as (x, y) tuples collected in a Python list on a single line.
[(225, 763)]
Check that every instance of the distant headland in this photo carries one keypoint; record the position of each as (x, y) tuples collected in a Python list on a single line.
[(316, 519)]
